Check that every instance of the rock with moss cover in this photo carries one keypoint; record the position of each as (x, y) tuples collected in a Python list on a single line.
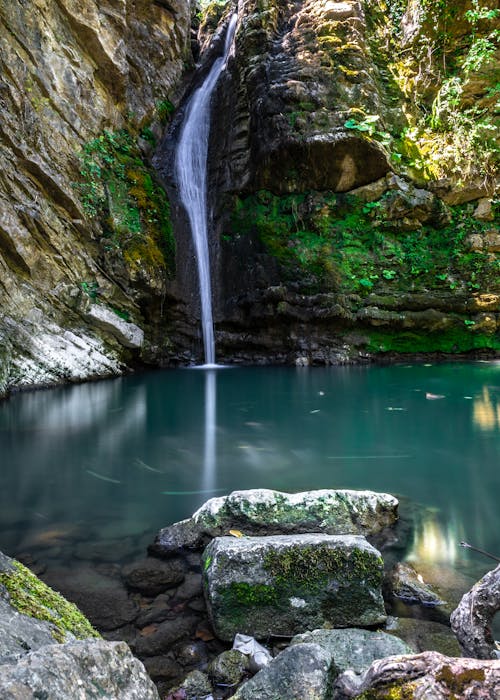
[(267, 512), (48, 649), (26, 594), (287, 584), (427, 675)]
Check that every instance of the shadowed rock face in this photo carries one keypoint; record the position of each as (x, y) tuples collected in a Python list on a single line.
[(300, 71)]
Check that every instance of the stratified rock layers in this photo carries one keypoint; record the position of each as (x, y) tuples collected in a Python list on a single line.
[(69, 71)]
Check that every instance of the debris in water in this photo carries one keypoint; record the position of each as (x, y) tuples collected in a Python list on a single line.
[(102, 477), (315, 411), (433, 397), (395, 408), (139, 463)]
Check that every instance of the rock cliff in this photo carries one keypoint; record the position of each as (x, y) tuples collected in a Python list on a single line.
[(357, 153), (353, 173), (76, 295)]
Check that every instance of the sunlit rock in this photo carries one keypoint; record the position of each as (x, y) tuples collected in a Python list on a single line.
[(266, 512)]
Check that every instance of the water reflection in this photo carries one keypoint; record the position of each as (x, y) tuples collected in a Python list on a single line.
[(433, 541), (130, 455), (210, 442), (486, 414)]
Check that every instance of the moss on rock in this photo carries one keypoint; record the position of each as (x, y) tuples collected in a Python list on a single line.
[(32, 597)]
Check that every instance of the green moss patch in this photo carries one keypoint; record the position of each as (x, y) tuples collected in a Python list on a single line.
[(312, 565), (34, 598), (332, 241), (120, 190), (451, 341)]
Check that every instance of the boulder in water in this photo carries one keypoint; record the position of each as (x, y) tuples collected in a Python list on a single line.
[(267, 512), (287, 584)]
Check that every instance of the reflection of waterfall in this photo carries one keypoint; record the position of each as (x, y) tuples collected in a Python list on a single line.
[(191, 173), (210, 426)]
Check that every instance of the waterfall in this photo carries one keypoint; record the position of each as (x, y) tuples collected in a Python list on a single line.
[(191, 175)]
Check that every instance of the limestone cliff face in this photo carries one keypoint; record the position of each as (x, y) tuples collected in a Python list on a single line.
[(345, 135), (70, 70)]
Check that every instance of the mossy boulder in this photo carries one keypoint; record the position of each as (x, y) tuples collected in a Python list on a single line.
[(268, 512), (26, 594), (287, 584)]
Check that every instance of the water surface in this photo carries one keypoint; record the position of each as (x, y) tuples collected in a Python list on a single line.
[(116, 460)]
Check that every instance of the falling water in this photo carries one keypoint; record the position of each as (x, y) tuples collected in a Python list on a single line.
[(191, 173)]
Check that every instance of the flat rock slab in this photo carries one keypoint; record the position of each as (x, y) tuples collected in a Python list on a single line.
[(266, 512), (287, 584)]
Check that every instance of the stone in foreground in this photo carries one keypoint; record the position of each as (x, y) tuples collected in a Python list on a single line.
[(79, 670), (354, 649), (287, 584), (266, 512), (300, 672), (429, 676)]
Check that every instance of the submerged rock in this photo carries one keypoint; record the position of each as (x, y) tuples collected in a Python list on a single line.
[(291, 583), (267, 512), (408, 586)]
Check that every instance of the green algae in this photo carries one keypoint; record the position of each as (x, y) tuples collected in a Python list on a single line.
[(119, 190), (32, 597)]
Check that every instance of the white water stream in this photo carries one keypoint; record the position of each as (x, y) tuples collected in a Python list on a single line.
[(191, 175)]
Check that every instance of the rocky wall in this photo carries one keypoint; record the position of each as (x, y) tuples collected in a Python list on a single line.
[(70, 71)]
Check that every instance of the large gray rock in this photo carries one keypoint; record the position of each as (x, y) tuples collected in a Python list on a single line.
[(354, 649), (267, 512), (301, 672), (20, 633), (287, 584), (33, 665), (78, 670)]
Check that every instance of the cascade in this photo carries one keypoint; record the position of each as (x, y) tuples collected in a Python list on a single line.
[(191, 176)]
